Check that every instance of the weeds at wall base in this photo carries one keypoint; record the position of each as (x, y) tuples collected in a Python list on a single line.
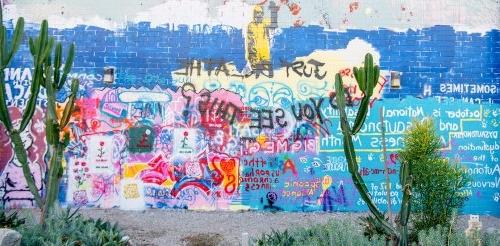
[(346, 233), (66, 227)]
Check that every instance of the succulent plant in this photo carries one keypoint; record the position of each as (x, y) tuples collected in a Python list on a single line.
[(49, 76), (367, 78), (7, 52)]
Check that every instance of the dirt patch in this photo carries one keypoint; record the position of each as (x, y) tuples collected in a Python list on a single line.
[(203, 239)]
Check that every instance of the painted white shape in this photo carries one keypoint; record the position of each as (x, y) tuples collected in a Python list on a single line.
[(132, 194), (144, 96), (100, 154)]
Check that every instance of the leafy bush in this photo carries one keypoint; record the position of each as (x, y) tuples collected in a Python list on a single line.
[(70, 228), (332, 233), (346, 233), (444, 236), (10, 221), (436, 182)]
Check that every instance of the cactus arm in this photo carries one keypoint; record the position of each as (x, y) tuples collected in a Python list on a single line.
[(70, 104), (377, 75), (57, 63), (340, 99), (353, 166), (4, 111), (42, 40), (18, 36), (33, 49), (51, 94), (362, 78), (361, 83), (3, 49), (53, 184), (31, 105), (68, 65), (41, 47), (369, 69), (361, 115), (367, 78), (405, 180), (23, 159), (47, 50)]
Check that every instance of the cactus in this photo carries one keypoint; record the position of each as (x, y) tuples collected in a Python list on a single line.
[(6, 54), (50, 77), (367, 78), (53, 81)]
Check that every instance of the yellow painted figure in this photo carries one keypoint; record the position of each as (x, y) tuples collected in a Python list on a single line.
[(257, 44)]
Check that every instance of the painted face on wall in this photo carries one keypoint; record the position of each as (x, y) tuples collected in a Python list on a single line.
[(270, 94), (258, 14)]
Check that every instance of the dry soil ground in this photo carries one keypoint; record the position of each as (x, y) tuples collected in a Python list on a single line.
[(183, 227)]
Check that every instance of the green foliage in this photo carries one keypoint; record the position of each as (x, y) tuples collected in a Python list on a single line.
[(337, 232), (436, 182), (333, 233), (277, 238), (71, 228), (371, 227), (439, 235), (10, 221)]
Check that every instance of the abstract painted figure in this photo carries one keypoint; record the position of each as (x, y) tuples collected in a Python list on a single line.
[(14, 190), (257, 41)]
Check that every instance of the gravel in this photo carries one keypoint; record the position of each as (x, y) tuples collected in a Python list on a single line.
[(184, 227)]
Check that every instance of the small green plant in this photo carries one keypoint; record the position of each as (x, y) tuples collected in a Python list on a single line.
[(333, 233), (10, 221), (280, 238), (440, 235), (70, 228), (436, 182), (338, 232)]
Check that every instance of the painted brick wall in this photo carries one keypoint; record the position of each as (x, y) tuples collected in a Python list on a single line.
[(158, 157)]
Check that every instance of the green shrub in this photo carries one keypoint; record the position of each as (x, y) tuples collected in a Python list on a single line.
[(70, 228), (436, 182), (346, 233), (332, 233), (440, 235), (10, 221)]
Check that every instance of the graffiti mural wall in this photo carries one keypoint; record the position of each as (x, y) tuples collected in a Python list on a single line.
[(229, 105)]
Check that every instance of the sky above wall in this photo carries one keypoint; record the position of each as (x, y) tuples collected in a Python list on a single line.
[(463, 15)]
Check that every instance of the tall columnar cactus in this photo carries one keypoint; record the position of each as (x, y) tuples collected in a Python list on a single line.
[(53, 81), (367, 78), (7, 52), (49, 76)]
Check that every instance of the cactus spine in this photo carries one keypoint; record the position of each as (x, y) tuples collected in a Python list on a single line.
[(367, 78)]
